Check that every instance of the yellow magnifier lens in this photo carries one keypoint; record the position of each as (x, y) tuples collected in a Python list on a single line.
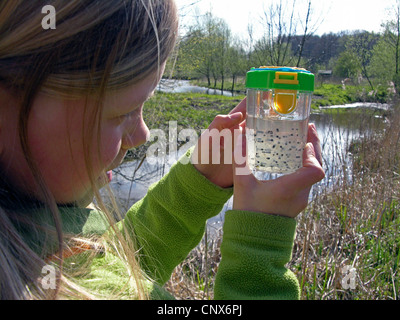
[(285, 101)]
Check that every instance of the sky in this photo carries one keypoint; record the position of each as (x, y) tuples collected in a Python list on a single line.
[(329, 15)]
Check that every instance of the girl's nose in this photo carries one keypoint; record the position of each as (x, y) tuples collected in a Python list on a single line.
[(135, 136)]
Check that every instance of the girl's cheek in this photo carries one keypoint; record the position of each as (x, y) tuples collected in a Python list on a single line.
[(111, 152), (110, 146)]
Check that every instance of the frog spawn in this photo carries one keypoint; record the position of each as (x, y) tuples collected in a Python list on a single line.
[(276, 146)]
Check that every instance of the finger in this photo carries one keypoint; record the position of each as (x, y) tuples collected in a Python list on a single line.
[(312, 172), (305, 177), (234, 118), (314, 139), (310, 157), (241, 107), (227, 121)]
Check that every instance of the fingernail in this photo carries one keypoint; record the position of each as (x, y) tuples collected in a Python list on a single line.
[(313, 127), (236, 116)]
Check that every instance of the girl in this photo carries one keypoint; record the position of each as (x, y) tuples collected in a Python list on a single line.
[(71, 102)]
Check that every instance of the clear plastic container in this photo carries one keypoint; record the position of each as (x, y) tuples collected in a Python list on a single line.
[(278, 111)]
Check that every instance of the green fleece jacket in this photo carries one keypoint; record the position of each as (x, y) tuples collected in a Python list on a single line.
[(170, 221)]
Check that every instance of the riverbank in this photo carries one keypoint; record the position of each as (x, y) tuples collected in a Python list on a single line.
[(332, 95)]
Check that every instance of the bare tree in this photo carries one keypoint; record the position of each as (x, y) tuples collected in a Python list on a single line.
[(283, 20), (305, 34), (278, 32)]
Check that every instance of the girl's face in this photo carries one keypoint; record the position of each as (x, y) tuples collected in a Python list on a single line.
[(56, 131)]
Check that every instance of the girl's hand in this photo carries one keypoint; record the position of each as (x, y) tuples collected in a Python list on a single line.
[(209, 154), (285, 196)]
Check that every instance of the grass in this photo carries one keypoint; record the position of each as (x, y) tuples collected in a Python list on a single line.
[(350, 226), (353, 223), (195, 111), (330, 94)]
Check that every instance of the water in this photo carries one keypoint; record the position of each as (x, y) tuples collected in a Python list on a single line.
[(184, 86), (276, 146)]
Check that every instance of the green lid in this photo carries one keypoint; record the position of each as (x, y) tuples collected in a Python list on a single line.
[(280, 78)]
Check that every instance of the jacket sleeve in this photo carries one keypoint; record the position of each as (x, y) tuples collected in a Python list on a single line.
[(255, 249), (171, 219)]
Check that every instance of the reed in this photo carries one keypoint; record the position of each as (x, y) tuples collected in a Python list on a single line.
[(355, 223)]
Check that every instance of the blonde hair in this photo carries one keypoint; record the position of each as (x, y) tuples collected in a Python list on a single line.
[(97, 46)]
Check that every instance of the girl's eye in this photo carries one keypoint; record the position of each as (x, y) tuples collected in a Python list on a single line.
[(127, 115), (121, 118)]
